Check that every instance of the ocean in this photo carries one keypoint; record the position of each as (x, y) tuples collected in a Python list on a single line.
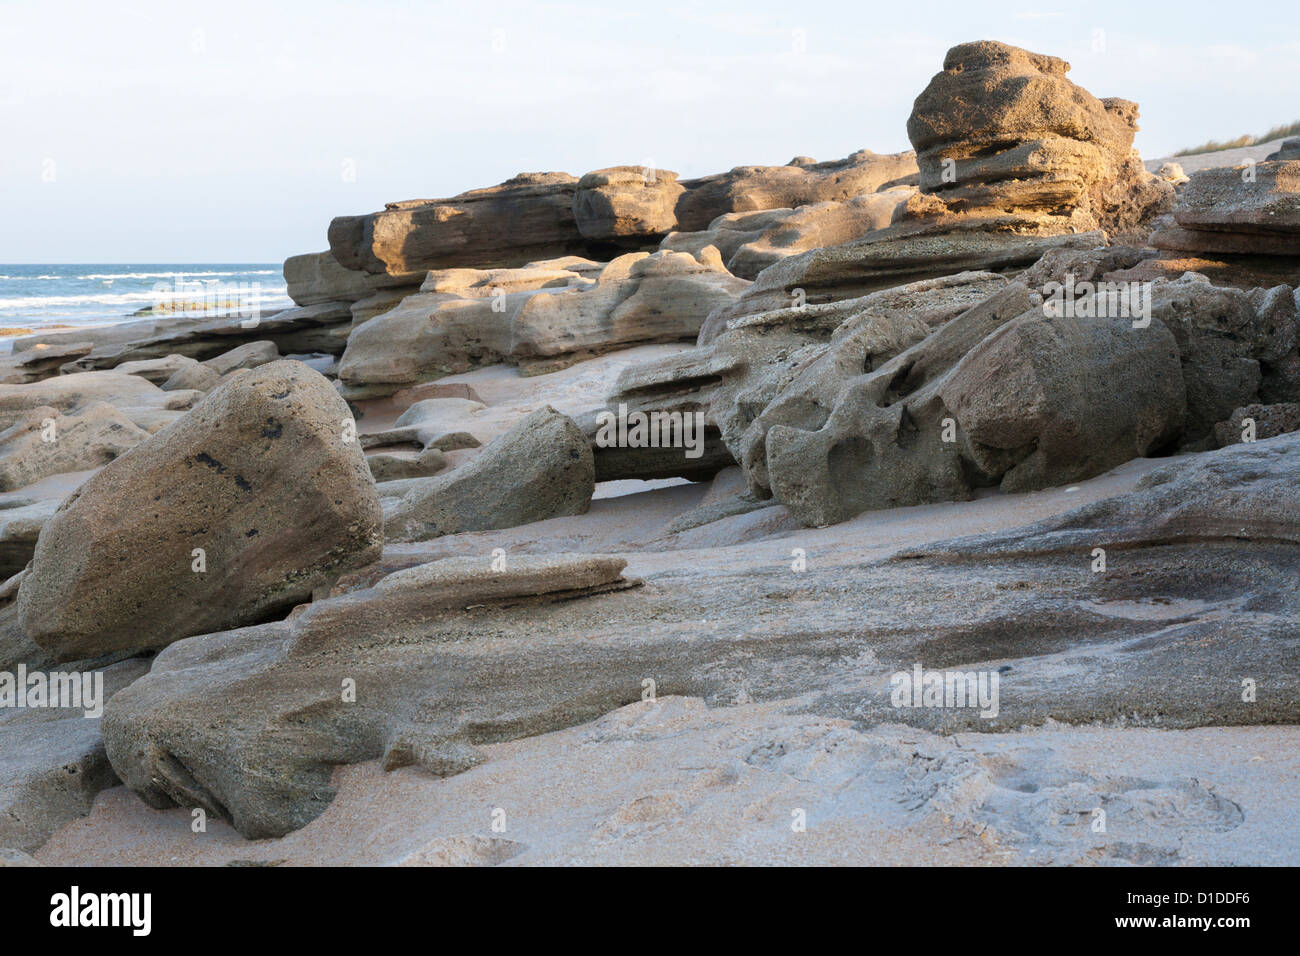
[(39, 297)]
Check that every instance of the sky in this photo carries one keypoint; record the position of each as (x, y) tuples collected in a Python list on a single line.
[(234, 131)]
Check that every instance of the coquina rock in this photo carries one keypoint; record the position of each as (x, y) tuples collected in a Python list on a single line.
[(1290, 149), (727, 234), (52, 760), (248, 355), (1259, 421), (1239, 209), (627, 202), (41, 361), (548, 215), (267, 784), (21, 520), (1002, 131), (454, 654), (44, 442), (887, 258), (1014, 160), (839, 407), (294, 331), (749, 242), (1228, 342), (524, 219), (1237, 225), (1049, 400), (733, 376), (798, 183), (1027, 402), (157, 370), (541, 468), (144, 403), (316, 277), (230, 516), (443, 423), (542, 316)]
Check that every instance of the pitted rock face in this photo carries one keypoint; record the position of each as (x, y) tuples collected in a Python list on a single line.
[(260, 477), (1002, 130)]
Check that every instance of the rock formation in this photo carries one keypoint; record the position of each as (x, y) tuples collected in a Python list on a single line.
[(542, 315), (1239, 226), (541, 468), (234, 514), (447, 668), (1002, 135), (1001, 406)]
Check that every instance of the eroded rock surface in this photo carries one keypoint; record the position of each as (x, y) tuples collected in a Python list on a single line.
[(258, 480), (437, 674)]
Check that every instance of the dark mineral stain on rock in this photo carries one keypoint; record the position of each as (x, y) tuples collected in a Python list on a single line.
[(203, 458)]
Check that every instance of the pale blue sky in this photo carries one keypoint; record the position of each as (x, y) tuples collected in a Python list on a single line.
[(191, 132)]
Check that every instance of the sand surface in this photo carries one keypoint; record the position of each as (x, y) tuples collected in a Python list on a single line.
[(1222, 157), (671, 781)]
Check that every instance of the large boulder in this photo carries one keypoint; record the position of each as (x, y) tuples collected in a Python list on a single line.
[(541, 468), (1046, 401), (1002, 131), (627, 202), (230, 516)]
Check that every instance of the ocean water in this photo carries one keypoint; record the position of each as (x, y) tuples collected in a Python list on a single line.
[(38, 297)]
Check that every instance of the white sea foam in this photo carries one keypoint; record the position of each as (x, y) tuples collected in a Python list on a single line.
[(170, 275), (124, 298)]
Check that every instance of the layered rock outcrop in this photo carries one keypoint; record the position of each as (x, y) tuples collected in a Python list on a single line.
[(543, 315), (1001, 134), (1237, 225), (549, 215)]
